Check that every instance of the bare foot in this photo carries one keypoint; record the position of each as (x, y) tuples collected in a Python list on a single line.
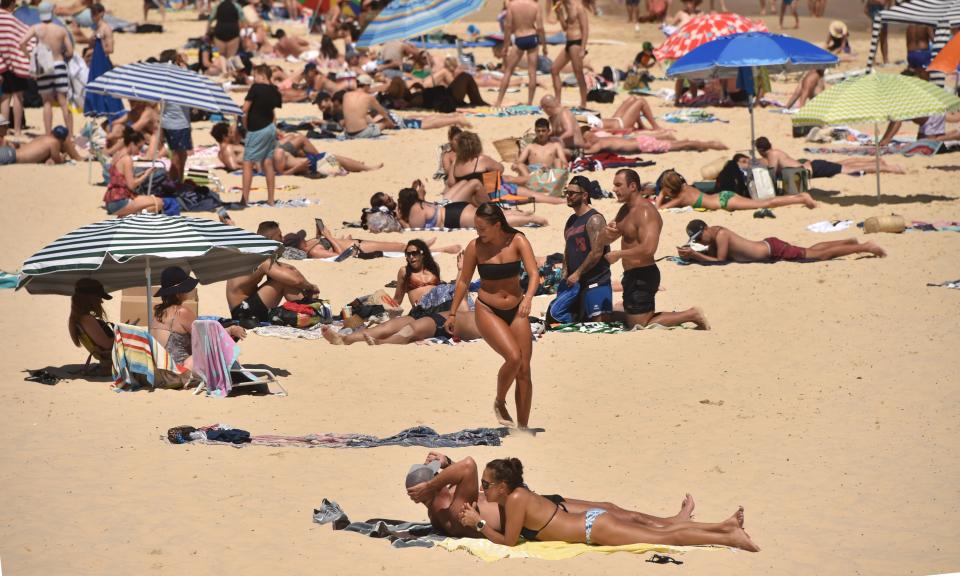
[(809, 202), (700, 320), (740, 539), (717, 145), (369, 168), (500, 411), (332, 336), (370, 340), (686, 508), (874, 249), (739, 516), (452, 249)]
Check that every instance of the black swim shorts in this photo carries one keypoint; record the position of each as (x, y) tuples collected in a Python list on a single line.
[(640, 287), (251, 308), (824, 169)]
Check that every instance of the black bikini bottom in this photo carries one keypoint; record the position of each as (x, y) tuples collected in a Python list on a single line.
[(506, 315), (577, 42)]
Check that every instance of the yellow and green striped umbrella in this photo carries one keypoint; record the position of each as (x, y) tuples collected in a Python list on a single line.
[(876, 98)]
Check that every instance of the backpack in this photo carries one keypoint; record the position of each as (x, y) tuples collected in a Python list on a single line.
[(42, 62), (303, 314)]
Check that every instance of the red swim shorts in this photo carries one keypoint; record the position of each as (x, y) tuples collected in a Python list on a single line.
[(780, 250)]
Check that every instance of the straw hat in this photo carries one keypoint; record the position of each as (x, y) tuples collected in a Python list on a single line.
[(838, 29)]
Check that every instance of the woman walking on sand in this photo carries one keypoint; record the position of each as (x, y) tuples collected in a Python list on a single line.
[(499, 253)]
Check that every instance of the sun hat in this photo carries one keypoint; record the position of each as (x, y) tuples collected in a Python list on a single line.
[(175, 280), (420, 473), (91, 286), (838, 29)]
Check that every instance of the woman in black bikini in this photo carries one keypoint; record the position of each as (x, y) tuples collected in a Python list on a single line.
[(534, 517), (226, 31), (502, 310), (414, 212)]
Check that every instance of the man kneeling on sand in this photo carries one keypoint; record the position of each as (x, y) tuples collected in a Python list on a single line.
[(724, 245), (446, 487)]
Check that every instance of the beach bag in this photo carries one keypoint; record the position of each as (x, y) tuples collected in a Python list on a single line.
[(303, 314), (375, 304), (761, 183), (380, 220), (550, 181), (41, 62)]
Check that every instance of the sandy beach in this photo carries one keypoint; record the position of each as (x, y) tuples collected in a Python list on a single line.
[(822, 399)]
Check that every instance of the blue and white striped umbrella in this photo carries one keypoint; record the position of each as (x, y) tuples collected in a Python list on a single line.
[(403, 19), (165, 82)]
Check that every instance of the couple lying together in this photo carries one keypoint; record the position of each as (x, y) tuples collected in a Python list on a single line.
[(502, 509)]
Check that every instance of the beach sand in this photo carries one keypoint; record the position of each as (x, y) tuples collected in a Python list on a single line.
[(822, 400)]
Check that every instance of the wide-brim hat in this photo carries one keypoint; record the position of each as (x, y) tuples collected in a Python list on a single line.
[(175, 280), (838, 29)]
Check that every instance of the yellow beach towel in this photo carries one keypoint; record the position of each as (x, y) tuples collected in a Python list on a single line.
[(490, 552)]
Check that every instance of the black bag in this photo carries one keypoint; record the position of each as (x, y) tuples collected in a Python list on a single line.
[(600, 95)]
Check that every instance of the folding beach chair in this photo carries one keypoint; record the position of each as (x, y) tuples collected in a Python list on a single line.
[(216, 362), (204, 177), (500, 194)]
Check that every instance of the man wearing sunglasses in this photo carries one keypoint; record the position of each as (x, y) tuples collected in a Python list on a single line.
[(584, 259)]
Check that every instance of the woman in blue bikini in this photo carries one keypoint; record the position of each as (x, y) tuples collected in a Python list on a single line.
[(503, 309), (527, 514)]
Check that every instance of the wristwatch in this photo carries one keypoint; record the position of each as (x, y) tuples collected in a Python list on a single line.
[(480, 525)]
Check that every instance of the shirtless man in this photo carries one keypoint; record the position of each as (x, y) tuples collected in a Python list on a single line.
[(445, 487), (523, 28), (46, 149), (919, 37), (102, 30), (933, 127), (638, 225), (542, 153), (326, 245), (575, 23), (142, 117), (565, 129), (53, 84), (656, 12), (317, 163), (248, 298), (630, 115), (230, 139), (724, 245), (778, 159), (356, 106), (644, 144)]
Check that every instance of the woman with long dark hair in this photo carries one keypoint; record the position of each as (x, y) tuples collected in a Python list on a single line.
[(528, 514), (87, 324), (420, 276), (499, 253), (415, 212)]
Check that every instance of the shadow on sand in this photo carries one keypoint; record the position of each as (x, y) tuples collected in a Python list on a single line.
[(839, 199)]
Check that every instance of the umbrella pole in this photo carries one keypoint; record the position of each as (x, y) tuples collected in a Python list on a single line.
[(876, 141), (153, 154), (149, 296), (751, 102)]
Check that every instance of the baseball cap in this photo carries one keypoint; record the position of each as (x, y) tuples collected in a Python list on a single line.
[(420, 473), (694, 229), (46, 13)]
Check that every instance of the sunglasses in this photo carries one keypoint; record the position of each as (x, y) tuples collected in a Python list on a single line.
[(569, 192), (485, 485), (413, 254)]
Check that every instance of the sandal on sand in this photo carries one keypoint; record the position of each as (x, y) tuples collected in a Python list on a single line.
[(663, 559), (503, 417), (349, 252)]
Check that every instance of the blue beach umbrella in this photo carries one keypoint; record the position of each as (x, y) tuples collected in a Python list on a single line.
[(740, 55), (403, 19)]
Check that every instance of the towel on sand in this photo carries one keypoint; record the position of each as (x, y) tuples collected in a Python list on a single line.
[(422, 436), (955, 284), (908, 149), (490, 552), (8, 280)]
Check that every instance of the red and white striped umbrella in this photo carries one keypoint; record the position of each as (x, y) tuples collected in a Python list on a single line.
[(702, 29), (12, 57)]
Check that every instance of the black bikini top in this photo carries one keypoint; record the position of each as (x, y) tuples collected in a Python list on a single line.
[(471, 176), (499, 271)]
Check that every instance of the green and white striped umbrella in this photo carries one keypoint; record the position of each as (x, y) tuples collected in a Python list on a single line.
[(876, 98), (133, 251)]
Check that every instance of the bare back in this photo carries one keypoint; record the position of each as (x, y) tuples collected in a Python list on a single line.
[(242, 287), (356, 109), (523, 17), (919, 37), (734, 246), (55, 38)]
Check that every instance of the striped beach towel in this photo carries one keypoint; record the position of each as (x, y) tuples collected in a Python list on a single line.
[(136, 352)]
